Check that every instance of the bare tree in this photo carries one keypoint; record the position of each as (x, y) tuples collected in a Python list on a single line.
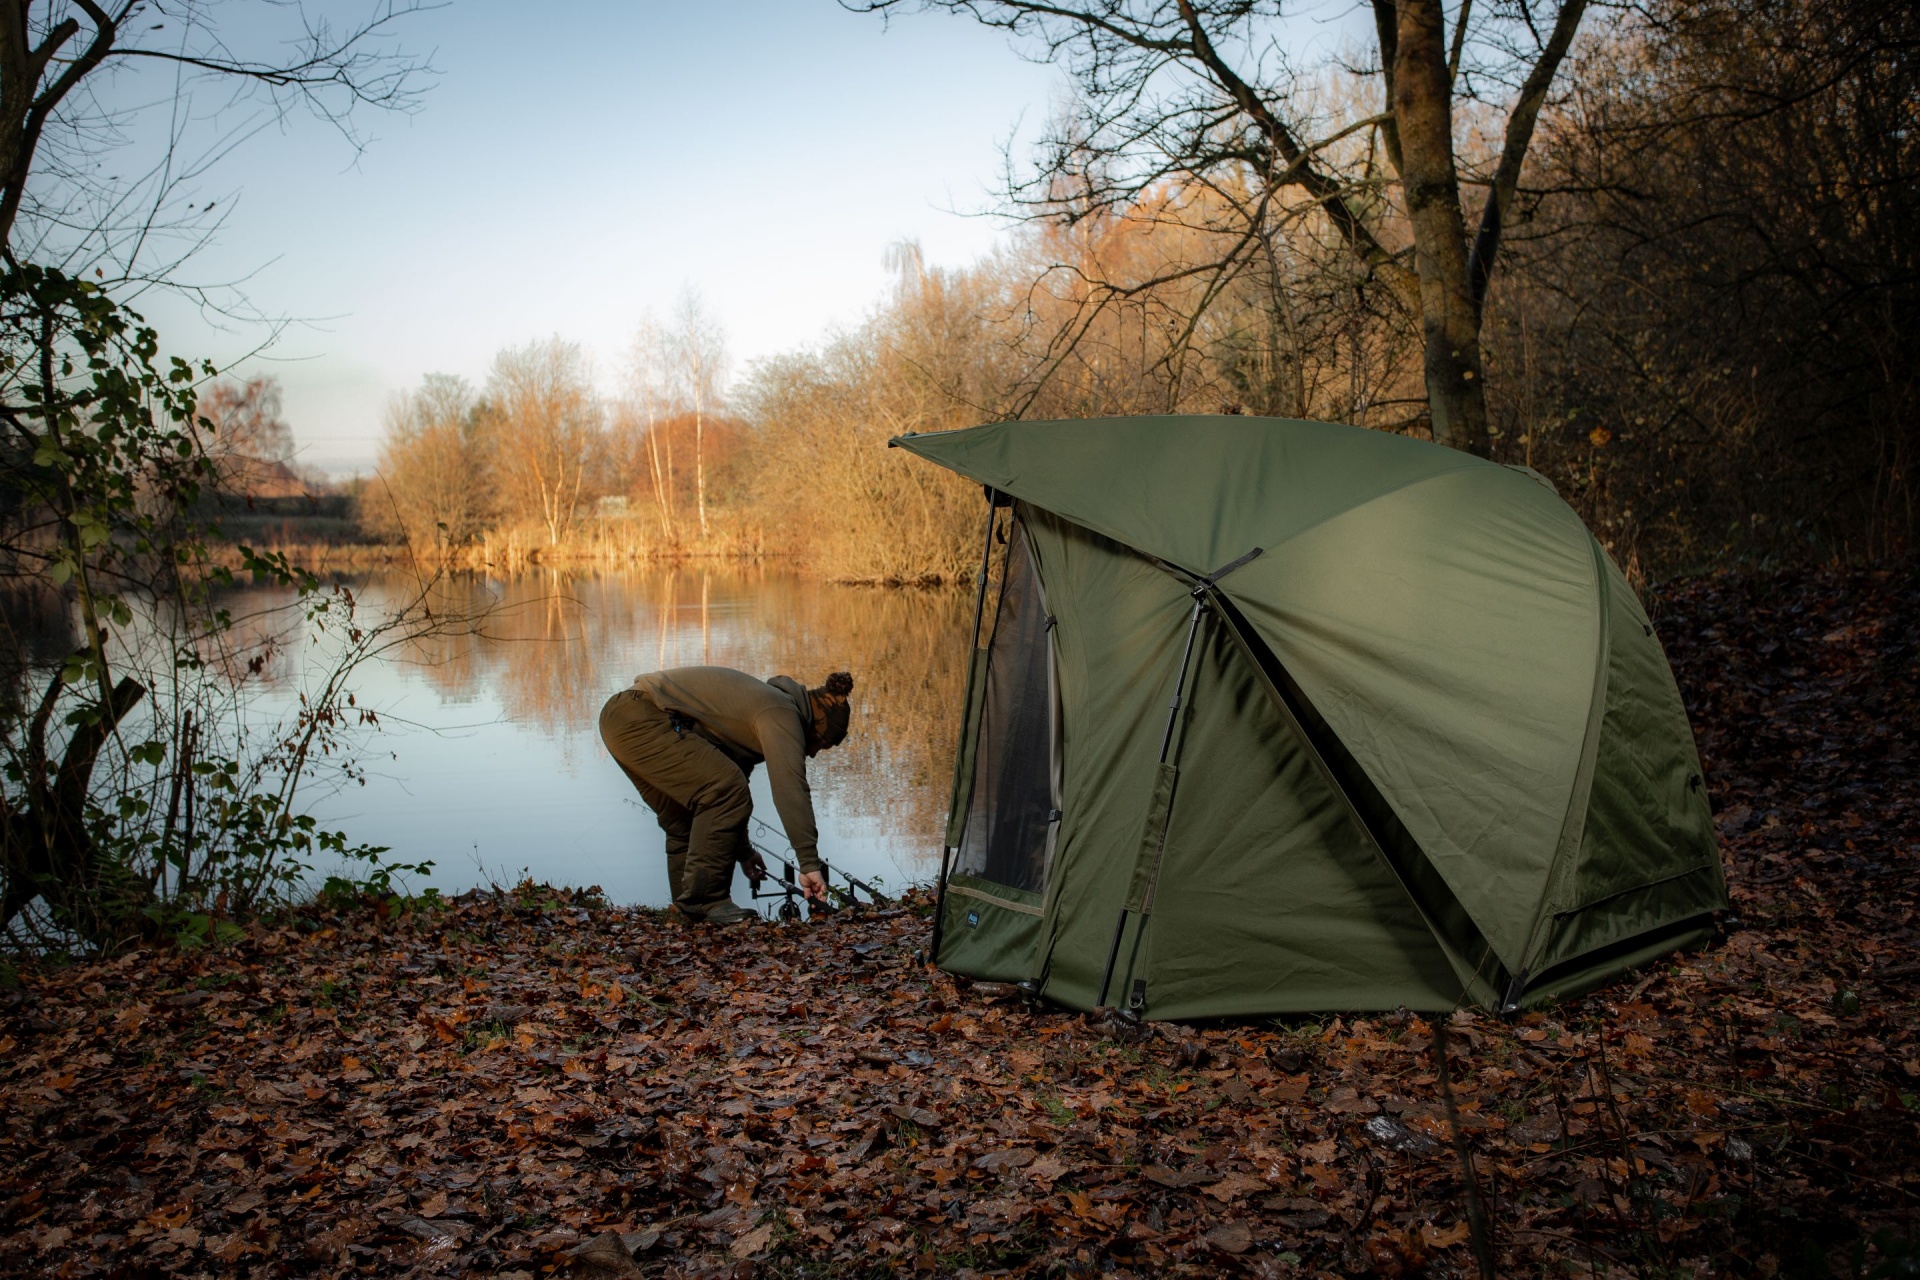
[(432, 467), (71, 91), (926, 361), (246, 419), (1202, 93), (699, 372), (544, 421)]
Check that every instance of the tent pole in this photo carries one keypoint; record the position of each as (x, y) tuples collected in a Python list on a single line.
[(1180, 685), (1166, 745), (1202, 588), (1113, 953), (979, 613), (986, 560)]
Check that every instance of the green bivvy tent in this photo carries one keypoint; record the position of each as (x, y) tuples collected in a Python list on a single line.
[(1279, 716)]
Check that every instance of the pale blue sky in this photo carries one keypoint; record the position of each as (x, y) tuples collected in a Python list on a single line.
[(575, 166)]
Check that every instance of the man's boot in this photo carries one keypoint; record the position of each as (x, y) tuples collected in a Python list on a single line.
[(705, 893)]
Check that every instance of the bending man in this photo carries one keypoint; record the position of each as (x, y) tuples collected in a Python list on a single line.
[(688, 739)]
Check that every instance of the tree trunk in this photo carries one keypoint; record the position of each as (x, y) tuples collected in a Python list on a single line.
[(1423, 112), (47, 848), (659, 484), (700, 465)]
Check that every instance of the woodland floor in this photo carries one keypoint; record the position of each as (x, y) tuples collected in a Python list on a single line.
[(491, 1088)]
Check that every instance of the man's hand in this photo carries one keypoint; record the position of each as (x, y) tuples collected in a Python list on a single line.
[(754, 866), (814, 885)]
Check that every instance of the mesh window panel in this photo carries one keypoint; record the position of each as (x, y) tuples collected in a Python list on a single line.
[(1006, 833)]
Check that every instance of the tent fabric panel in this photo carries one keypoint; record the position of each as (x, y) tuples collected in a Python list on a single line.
[(1120, 627), (1447, 632), (1596, 968), (1008, 818), (1197, 491), (989, 930), (1648, 856), (1271, 898), (1473, 961), (1647, 817), (1641, 912)]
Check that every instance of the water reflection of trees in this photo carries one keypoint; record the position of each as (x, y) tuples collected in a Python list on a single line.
[(556, 643)]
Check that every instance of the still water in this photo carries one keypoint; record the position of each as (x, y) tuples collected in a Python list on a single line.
[(488, 760)]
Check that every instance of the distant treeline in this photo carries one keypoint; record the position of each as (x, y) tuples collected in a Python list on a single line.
[(1703, 331)]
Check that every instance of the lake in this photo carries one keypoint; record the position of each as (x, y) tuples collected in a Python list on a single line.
[(488, 760)]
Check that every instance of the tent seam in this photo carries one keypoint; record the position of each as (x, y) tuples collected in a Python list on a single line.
[(1580, 799), (1467, 463), (968, 891)]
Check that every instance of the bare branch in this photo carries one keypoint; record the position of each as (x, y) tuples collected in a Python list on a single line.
[(1519, 138), (1459, 41), (1298, 168)]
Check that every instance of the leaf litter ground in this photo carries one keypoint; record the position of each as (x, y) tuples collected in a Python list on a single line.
[(533, 1083)]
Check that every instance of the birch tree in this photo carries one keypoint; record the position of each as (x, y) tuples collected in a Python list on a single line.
[(699, 373), (648, 404)]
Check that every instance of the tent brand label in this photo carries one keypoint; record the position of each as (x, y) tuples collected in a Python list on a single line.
[(973, 919)]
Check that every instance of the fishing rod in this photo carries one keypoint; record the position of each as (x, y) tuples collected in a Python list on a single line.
[(783, 884), (786, 884)]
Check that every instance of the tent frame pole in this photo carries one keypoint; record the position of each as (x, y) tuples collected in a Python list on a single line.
[(1201, 592), (979, 615), (1166, 745)]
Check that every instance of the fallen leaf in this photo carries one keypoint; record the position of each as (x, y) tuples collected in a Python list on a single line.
[(1235, 1185), (1442, 1237), (605, 1255), (1230, 1237), (752, 1242), (1005, 1160), (916, 1115), (1047, 1169)]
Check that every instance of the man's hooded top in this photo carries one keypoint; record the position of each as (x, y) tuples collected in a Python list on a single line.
[(752, 721)]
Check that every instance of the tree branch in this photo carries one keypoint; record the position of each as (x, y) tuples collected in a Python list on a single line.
[(1459, 42), (1298, 170), (1520, 126), (31, 110), (1386, 22)]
